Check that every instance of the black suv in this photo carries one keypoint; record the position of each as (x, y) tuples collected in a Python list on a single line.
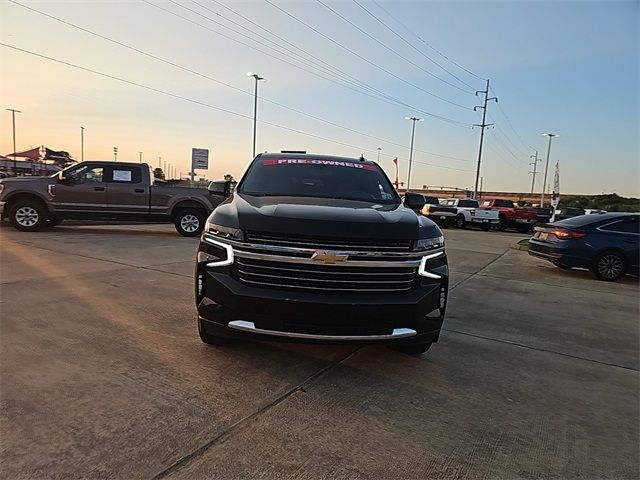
[(317, 248)]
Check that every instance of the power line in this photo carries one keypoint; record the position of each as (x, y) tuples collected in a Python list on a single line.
[(527, 147), (338, 14), (383, 98), (410, 44), (428, 44), (374, 64), (244, 92), (187, 99)]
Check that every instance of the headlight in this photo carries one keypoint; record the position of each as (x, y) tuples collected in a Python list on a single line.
[(429, 243), (224, 232)]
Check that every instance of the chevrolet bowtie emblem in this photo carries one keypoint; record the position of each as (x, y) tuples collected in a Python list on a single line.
[(327, 257)]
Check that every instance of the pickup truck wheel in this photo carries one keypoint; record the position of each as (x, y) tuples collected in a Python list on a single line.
[(416, 349), (189, 222), (504, 223), (460, 222), (28, 216)]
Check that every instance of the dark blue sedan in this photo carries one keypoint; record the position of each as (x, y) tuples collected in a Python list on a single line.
[(607, 244)]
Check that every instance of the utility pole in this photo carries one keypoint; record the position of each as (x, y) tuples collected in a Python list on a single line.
[(379, 150), (413, 134), (482, 127), (115, 154), (82, 144), (534, 173), (481, 179), (13, 118), (546, 167), (255, 107), (159, 162), (140, 156)]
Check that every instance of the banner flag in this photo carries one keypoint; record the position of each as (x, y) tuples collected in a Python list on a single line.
[(555, 196)]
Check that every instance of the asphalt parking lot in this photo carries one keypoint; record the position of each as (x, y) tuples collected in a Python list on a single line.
[(103, 373)]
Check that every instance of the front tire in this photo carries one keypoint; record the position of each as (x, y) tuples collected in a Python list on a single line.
[(189, 222), (415, 349), (460, 222), (504, 223), (28, 216), (609, 266)]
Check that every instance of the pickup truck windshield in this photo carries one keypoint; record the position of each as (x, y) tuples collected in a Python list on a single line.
[(318, 178)]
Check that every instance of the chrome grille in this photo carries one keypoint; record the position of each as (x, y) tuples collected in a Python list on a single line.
[(334, 278), (302, 241)]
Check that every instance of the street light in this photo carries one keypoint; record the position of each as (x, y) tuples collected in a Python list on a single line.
[(413, 133), (255, 107), (546, 168), (140, 156), (13, 118), (82, 144), (115, 154)]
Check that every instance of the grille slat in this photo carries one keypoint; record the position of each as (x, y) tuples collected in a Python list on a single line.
[(334, 279), (302, 241)]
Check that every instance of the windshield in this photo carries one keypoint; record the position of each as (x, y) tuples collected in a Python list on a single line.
[(320, 178)]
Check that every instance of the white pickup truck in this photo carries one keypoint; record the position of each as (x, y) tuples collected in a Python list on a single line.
[(469, 212)]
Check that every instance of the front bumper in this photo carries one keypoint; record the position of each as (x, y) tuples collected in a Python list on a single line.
[(229, 307)]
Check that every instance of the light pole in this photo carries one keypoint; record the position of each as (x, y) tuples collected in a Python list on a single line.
[(379, 150), (546, 167), (140, 156), (82, 144), (115, 154), (255, 107), (413, 134), (13, 119)]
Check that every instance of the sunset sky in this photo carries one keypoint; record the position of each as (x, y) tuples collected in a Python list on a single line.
[(570, 68)]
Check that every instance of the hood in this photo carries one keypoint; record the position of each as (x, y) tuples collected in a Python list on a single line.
[(19, 180), (322, 217)]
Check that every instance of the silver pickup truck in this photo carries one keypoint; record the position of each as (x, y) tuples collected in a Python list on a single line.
[(97, 190)]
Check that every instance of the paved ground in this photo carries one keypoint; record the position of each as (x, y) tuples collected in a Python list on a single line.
[(103, 374)]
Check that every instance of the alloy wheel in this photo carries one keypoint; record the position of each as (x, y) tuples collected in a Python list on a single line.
[(190, 223), (610, 266), (26, 216)]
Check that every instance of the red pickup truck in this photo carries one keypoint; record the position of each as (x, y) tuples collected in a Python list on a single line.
[(521, 218)]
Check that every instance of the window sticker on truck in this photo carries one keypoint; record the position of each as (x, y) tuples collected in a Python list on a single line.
[(304, 161), (122, 175)]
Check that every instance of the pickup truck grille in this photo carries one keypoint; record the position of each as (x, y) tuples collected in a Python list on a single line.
[(334, 279), (301, 241)]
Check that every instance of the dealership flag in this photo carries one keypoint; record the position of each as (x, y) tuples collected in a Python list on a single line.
[(555, 197), (395, 160), (33, 154)]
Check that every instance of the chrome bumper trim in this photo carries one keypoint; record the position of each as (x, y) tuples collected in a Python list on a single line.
[(250, 327)]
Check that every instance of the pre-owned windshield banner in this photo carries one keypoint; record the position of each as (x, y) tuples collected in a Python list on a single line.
[(308, 161)]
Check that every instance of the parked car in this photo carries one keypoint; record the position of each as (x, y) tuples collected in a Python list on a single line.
[(568, 212), (469, 212), (520, 218), (314, 248), (103, 191), (592, 211), (607, 244)]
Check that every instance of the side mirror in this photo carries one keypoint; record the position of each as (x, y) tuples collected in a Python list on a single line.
[(220, 187), (414, 201), (62, 179)]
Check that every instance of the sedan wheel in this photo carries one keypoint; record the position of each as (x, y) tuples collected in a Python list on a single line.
[(609, 266)]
